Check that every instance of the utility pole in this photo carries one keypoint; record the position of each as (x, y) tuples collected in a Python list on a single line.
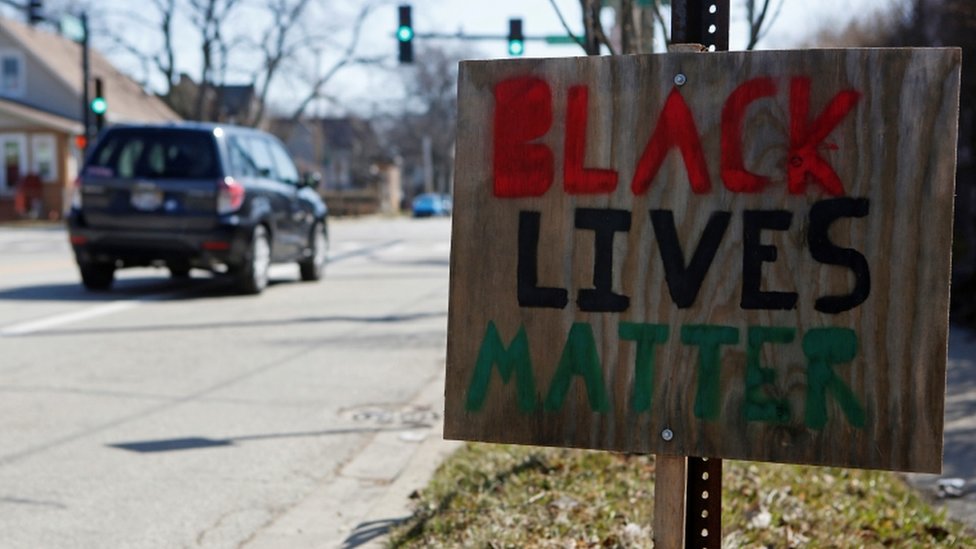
[(85, 70)]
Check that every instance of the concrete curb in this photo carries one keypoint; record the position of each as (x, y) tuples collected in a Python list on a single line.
[(370, 493)]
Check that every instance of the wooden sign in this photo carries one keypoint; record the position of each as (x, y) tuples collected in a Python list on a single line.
[(738, 255)]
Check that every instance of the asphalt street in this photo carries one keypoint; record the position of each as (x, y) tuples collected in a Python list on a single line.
[(959, 458), (175, 413)]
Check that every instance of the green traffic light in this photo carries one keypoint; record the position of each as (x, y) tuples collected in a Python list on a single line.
[(99, 105), (516, 47), (404, 33)]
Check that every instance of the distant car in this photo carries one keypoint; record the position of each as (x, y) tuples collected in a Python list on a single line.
[(431, 204), (194, 195)]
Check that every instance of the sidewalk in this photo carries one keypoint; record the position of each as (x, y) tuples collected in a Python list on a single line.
[(370, 493), (960, 430)]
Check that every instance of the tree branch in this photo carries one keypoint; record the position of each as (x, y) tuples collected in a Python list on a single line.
[(569, 31)]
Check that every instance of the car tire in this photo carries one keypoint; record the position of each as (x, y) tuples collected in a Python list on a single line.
[(97, 276), (179, 271), (252, 277), (312, 267)]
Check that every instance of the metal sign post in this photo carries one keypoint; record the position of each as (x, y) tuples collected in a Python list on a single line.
[(704, 22)]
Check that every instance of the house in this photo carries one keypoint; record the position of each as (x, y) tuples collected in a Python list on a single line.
[(346, 152), (227, 103), (41, 116)]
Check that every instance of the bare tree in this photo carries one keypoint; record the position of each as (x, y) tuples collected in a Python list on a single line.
[(280, 42), (430, 114), (757, 12), (282, 37), (318, 79), (165, 59), (208, 16), (637, 31)]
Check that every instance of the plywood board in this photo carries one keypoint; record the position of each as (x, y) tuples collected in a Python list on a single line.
[(749, 250)]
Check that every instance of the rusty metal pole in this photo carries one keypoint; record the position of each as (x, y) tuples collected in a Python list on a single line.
[(704, 22)]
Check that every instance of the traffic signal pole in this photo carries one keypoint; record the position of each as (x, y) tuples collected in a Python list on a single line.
[(85, 71), (405, 36)]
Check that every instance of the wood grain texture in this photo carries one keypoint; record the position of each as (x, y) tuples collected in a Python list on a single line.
[(895, 149), (670, 480)]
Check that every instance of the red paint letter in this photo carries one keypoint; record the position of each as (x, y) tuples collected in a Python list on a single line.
[(576, 178), (737, 178), (675, 128), (523, 112), (804, 159)]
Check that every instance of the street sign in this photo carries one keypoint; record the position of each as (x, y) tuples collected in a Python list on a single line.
[(735, 255)]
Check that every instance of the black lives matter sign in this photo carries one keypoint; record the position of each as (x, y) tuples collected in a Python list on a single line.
[(748, 251)]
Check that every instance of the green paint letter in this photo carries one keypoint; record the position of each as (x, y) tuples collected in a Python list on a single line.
[(647, 337), (759, 406), (514, 359), (579, 359), (825, 347), (709, 340)]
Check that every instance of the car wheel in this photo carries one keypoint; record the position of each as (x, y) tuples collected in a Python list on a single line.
[(179, 271), (312, 267), (253, 275), (97, 276)]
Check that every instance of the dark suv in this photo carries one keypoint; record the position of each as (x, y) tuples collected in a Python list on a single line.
[(193, 195)]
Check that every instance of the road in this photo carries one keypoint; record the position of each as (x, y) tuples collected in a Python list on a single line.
[(178, 414)]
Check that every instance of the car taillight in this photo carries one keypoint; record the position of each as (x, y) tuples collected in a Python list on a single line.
[(230, 195), (76, 194)]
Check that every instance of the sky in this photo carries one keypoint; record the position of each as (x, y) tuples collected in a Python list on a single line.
[(376, 88), (797, 20)]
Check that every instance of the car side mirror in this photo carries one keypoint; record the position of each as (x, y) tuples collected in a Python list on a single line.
[(311, 179)]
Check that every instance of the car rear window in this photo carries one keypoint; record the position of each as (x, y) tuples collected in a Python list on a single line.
[(155, 154)]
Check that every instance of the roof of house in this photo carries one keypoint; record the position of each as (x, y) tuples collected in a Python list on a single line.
[(18, 110), (62, 57)]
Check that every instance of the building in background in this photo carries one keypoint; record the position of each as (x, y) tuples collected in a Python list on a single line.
[(230, 104), (357, 176), (41, 116)]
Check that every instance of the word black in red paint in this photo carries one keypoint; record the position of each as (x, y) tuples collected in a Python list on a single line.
[(523, 167)]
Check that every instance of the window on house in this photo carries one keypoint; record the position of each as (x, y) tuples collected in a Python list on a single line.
[(43, 157), (12, 82), (13, 158)]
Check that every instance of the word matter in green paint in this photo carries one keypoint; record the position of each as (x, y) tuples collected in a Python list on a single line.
[(824, 348)]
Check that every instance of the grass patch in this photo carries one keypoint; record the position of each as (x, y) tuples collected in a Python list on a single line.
[(523, 496)]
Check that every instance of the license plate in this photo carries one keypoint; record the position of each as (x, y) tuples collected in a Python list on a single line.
[(146, 198)]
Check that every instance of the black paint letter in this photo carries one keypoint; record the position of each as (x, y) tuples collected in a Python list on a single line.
[(822, 214), (754, 254), (604, 223), (529, 293), (685, 282)]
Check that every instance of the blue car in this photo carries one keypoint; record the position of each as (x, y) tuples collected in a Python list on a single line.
[(431, 204)]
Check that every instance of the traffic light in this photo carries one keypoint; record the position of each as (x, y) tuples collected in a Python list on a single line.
[(99, 105), (34, 8), (405, 35), (516, 41)]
